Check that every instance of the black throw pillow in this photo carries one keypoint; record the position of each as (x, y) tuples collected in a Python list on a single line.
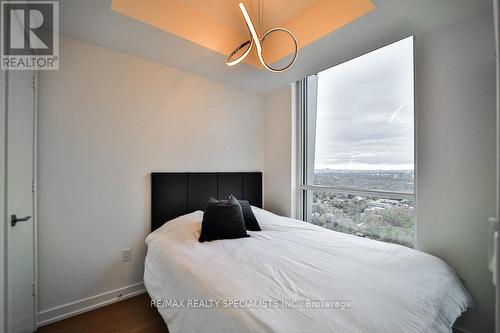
[(222, 220), (250, 220)]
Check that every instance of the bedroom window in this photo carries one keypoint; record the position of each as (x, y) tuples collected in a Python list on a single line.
[(356, 125)]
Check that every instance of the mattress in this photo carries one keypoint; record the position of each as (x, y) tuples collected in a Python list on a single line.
[(296, 277)]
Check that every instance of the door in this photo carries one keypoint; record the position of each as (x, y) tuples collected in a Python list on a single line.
[(19, 183), (495, 264)]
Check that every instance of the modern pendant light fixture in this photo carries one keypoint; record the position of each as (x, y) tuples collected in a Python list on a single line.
[(254, 39)]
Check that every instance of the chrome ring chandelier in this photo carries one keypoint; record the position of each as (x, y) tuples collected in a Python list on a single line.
[(259, 42)]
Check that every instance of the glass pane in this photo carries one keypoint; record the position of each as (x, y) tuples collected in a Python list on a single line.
[(364, 122), (388, 220)]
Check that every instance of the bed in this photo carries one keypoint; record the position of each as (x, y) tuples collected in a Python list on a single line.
[(292, 277)]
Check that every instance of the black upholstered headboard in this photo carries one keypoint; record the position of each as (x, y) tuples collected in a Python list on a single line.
[(177, 193)]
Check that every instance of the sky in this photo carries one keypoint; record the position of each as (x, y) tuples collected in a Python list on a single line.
[(365, 112)]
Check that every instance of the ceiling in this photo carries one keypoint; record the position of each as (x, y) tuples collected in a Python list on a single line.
[(276, 12), (219, 25), (94, 21)]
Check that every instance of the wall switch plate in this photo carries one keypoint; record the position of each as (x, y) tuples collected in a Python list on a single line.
[(126, 255)]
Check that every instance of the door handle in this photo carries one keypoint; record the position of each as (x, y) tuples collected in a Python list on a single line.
[(14, 219)]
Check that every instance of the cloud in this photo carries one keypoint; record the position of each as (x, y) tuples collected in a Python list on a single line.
[(365, 111)]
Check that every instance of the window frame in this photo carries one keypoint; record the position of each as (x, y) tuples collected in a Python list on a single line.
[(305, 187)]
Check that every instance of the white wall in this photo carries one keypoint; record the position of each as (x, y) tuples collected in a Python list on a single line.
[(455, 92), (278, 152), (3, 216), (106, 121)]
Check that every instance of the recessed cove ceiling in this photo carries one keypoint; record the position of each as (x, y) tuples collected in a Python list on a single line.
[(218, 25), (95, 22)]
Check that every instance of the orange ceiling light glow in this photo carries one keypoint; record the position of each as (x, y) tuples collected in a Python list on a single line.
[(218, 25)]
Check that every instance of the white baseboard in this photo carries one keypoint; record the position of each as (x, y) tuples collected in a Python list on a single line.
[(71, 309)]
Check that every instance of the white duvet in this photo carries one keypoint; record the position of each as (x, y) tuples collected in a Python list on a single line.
[(267, 282)]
